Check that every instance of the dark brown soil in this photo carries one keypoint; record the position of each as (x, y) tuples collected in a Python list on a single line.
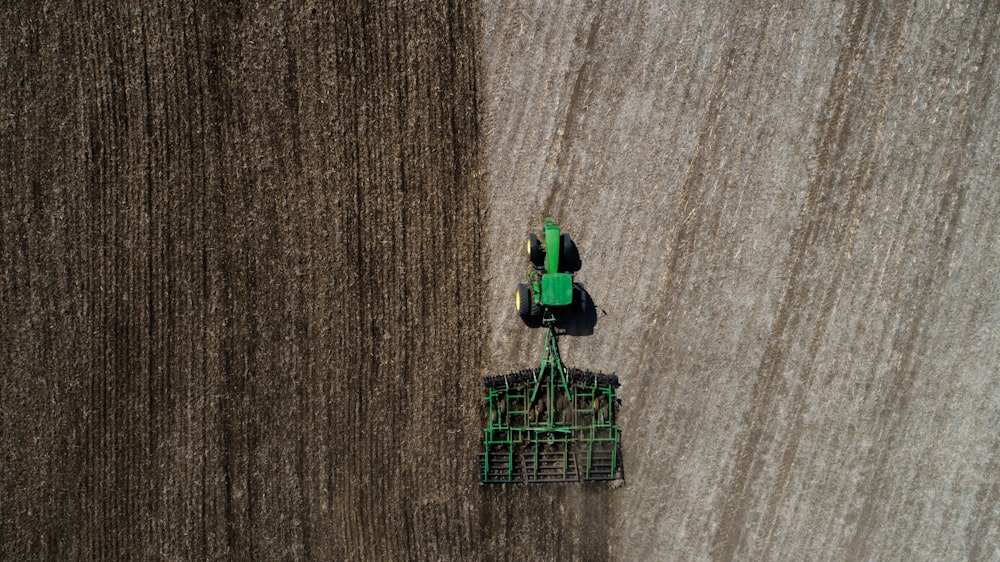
[(242, 283)]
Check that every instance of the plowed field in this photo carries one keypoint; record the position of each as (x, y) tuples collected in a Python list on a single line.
[(256, 258)]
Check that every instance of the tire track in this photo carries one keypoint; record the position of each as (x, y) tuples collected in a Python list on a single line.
[(685, 236), (821, 220), (914, 337), (576, 109), (842, 235)]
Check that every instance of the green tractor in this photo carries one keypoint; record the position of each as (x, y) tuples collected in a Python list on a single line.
[(551, 292), (552, 423)]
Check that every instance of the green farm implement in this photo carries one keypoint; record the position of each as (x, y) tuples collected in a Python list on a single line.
[(553, 423)]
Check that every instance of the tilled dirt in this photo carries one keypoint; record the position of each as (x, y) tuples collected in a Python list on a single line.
[(257, 257), (789, 215), (242, 282)]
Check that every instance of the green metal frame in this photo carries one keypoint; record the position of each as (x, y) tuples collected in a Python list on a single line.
[(553, 424)]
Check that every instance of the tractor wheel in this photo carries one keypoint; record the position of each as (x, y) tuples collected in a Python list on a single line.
[(522, 302), (535, 252), (585, 303), (536, 315), (569, 256)]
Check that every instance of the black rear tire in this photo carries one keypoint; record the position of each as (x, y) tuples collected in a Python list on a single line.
[(585, 303), (528, 310), (522, 302), (536, 315)]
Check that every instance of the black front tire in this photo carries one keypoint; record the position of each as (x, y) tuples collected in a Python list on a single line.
[(536, 254), (522, 302), (569, 256)]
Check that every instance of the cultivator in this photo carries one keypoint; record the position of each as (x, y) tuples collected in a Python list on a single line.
[(551, 424)]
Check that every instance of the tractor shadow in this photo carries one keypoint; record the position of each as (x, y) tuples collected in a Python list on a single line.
[(580, 318)]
